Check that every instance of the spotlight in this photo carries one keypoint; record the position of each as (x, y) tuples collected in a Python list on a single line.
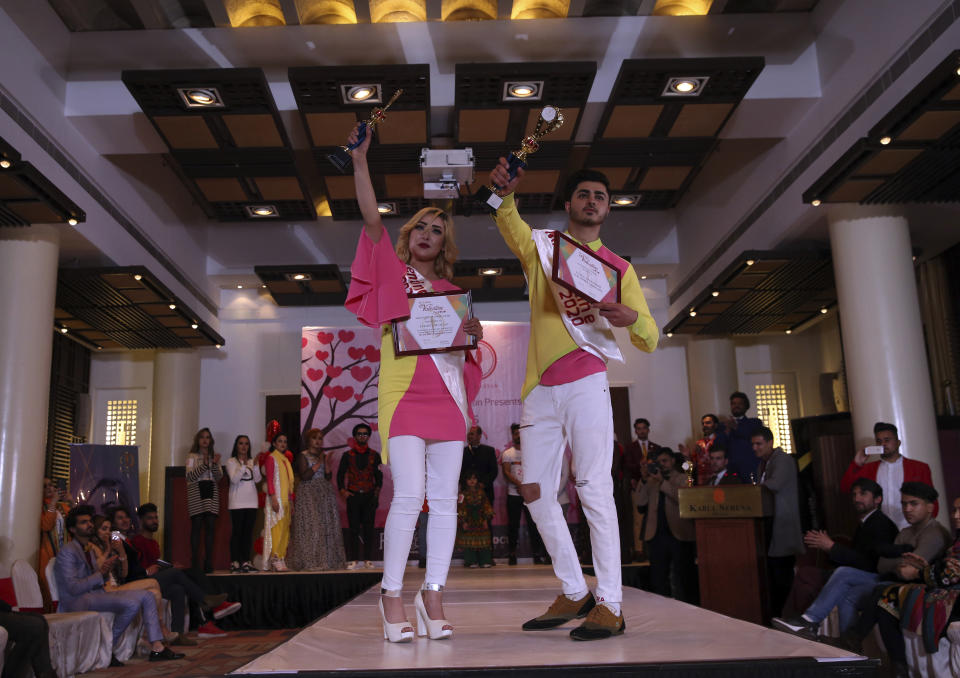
[(138, 277), (218, 345), (685, 87), (194, 326), (816, 202), (239, 287), (715, 293), (750, 262), (72, 221), (361, 93), (885, 140), (490, 271), (643, 277), (200, 97), (625, 200), (824, 310), (299, 276), (263, 286), (261, 211), (669, 334), (386, 208), (789, 332), (526, 90), (173, 307), (693, 314), (5, 164), (63, 330)]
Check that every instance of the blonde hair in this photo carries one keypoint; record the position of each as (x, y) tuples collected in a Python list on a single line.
[(443, 264)]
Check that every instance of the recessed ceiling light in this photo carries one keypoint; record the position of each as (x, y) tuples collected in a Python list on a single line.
[(63, 330), (685, 86), (361, 93), (263, 286), (715, 293), (523, 90), (750, 262), (643, 277), (387, 208), (137, 276), (823, 310), (218, 345), (173, 307), (816, 203), (885, 140), (490, 271), (299, 276), (693, 314), (669, 334), (261, 211), (5, 164), (789, 332), (194, 326), (239, 287), (200, 97), (72, 221), (624, 200)]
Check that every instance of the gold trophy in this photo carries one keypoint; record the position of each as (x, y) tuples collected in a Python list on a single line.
[(341, 158), (550, 119)]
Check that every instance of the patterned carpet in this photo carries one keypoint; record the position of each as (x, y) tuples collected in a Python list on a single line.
[(211, 659)]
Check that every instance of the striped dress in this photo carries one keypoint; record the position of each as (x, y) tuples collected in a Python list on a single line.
[(197, 471)]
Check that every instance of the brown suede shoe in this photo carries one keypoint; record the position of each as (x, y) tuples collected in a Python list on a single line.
[(600, 623), (184, 640), (562, 611)]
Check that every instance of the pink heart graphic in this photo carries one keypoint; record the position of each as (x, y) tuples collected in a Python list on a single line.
[(346, 336), (361, 372), (303, 342), (334, 371), (358, 396), (322, 355), (314, 375), (355, 352), (373, 354), (304, 403), (325, 337)]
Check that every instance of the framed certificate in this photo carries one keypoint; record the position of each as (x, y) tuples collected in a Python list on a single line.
[(435, 324), (580, 270)]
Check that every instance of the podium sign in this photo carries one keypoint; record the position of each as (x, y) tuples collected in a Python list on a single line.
[(725, 501)]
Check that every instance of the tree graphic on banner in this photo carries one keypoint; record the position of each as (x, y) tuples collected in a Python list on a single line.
[(325, 393)]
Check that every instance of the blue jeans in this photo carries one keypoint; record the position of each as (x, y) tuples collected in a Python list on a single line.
[(125, 605), (845, 590)]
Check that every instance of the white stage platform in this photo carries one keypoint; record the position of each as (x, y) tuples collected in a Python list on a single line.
[(487, 608)]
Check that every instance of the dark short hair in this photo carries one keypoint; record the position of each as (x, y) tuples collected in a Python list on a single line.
[(716, 419), (663, 450), (479, 430), (884, 426), (579, 177), (764, 432), (514, 426), (641, 420), (113, 510), (867, 485), (718, 448), (76, 512), (360, 426), (741, 394), (144, 509), (919, 490)]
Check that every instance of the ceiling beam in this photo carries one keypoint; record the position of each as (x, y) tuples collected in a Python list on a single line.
[(218, 12)]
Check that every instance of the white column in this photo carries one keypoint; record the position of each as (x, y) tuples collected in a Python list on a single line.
[(28, 281), (712, 375), (888, 378), (176, 401)]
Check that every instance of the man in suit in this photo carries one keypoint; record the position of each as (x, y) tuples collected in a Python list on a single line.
[(890, 471), (778, 473), (479, 459), (28, 643), (670, 539), (740, 429), (80, 582), (635, 460), (719, 473), (851, 583)]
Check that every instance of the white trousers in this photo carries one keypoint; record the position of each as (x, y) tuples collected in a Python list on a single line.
[(421, 467), (578, 413)]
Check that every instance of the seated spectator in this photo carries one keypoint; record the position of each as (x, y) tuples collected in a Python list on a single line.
[(473, 523), (889, 470), (670, 539), (29, 636), (853, 581), (80, 584), (720, 474)]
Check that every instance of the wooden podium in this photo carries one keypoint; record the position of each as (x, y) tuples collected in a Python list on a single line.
[(731, 547)]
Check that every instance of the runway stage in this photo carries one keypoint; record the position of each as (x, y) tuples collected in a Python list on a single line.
[(663, 638)]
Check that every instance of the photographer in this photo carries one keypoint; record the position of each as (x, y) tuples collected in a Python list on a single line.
[(670, 539)]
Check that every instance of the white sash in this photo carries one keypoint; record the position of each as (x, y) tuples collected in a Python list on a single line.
[(586, 327), (449, 364)]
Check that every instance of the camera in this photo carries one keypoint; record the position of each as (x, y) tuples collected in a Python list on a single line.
[(653, 467), (115, 535)]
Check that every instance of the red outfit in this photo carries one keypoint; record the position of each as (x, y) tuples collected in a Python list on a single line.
[(149, 549), (913, 472)]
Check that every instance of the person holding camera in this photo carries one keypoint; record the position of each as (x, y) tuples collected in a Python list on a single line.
[(670, 540), (203, 497)]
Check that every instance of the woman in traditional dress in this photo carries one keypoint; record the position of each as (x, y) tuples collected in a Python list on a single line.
[(203, 497), (278, 474), (475, 513), (317, 538), (423, 401)]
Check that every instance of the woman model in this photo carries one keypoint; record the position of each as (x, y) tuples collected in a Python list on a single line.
[(278, 508), (423, 401), (244, 475), (316, 541), (203, 497)]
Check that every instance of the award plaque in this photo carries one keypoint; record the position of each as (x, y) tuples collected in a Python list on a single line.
[(341, 158), (550, 119), (580, 270), (435, 324)]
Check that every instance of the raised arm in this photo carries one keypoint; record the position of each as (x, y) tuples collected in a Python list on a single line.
[(366, 198)]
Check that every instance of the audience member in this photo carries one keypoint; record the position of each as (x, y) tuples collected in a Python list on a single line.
[(713, 438), (636, 457), (473, 529), (719, 473), (203, 497), (480, 459), (316, 538), (670, 539), (80, 584), (28, 644), (890, 470), (277, 510), (53, 532), (854, 579), (244, 475), (360, 478), (740, 429), (778, 473), (511, 461)]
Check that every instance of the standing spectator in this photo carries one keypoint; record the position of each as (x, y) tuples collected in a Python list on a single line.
[(244, 475), (671, 540), (713, 438), (778, 473), (740, 430), (890, 471), (203, 497), (29, 636), (474, 514), (53, 532), (359, 478), (479, 459), (636, 457), (316, 540), (279, 505), (511, 462)]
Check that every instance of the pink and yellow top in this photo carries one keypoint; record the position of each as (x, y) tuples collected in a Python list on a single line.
[(553, 357), (412, 397)]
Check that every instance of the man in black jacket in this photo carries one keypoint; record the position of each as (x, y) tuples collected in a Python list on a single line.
[(479, 459), (850, 583)]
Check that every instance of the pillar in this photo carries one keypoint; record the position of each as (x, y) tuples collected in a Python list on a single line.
[(28, 280), (176, 401), (888, 378), (712, 376)]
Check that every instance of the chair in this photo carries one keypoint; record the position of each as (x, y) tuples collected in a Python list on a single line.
[(26, 587)]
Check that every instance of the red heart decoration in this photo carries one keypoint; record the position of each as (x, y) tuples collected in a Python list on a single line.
[(361, 372), (372, 354), (303, 342), (334, 371), (355, 352), (322, 355), (314, 375), (325, 337), (375, 426), (346, 336), (328, 391), (304, 403), (343, 393), (358, 396)]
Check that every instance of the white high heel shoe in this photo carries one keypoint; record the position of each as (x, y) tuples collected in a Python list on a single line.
[(425, 625), (399, 632)]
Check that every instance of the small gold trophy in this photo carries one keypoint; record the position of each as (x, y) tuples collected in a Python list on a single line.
[(341, 158), (550, 119)]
